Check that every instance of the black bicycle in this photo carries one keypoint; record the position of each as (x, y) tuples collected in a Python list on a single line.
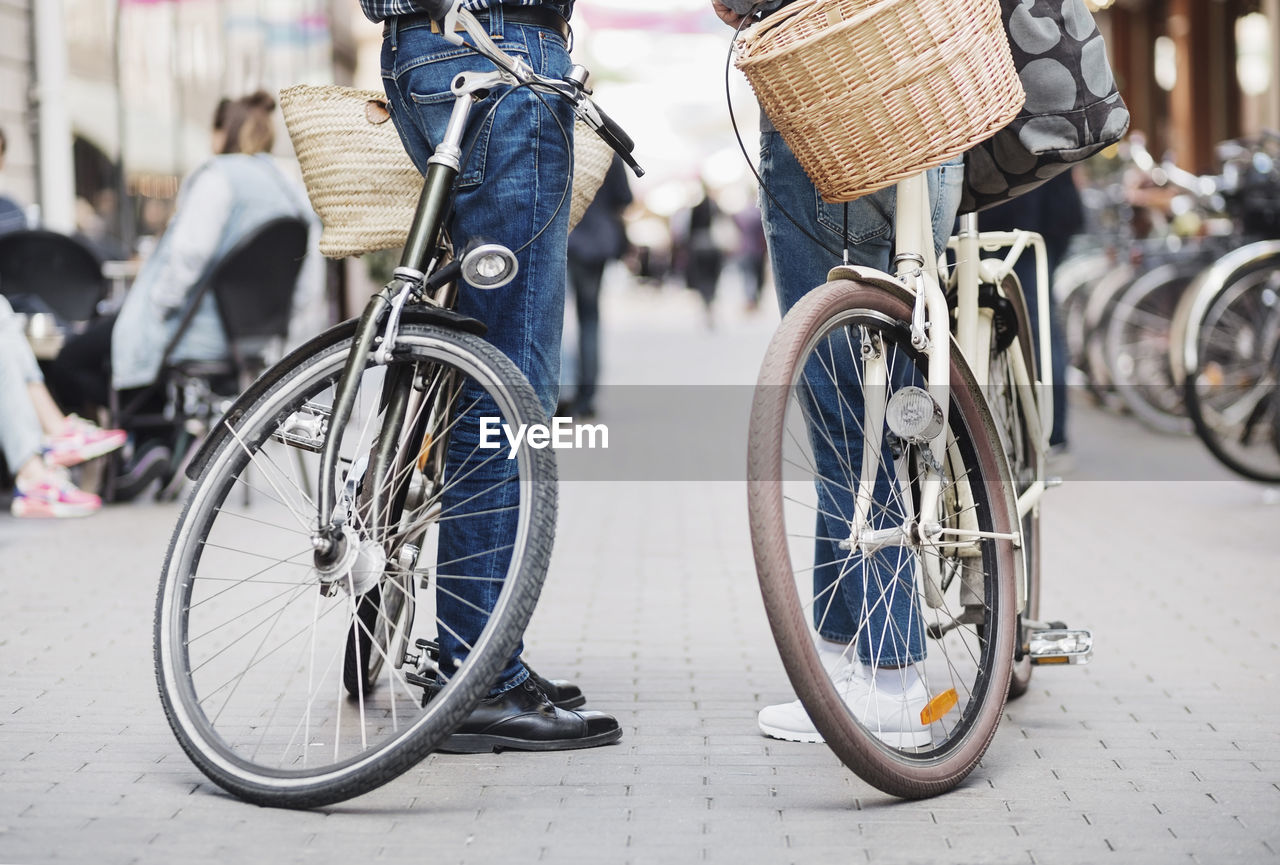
[(296, 631)]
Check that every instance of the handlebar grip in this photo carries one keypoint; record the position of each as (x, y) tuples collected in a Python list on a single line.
[(617, 138)]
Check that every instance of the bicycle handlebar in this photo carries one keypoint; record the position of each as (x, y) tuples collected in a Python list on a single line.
[(450, 13)]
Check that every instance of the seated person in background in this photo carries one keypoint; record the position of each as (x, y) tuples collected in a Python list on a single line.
[(12, 217), (37, 439), (236, 191)]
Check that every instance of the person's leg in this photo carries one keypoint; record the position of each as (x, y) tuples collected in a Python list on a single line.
[(509, 192), (20, 433), (40, 489), (586, 277), (79, 376), (1026, 273)]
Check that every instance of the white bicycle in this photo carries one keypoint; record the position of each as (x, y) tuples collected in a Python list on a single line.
[(897, 440)]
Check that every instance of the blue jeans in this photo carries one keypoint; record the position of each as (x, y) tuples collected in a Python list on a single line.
[(889, 634), (21, 435), (509, 189)]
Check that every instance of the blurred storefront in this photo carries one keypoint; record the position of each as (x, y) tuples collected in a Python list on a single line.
[(144, 77)]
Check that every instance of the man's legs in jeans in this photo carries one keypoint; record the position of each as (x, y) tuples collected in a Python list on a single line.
[(510, 190), (799, 265)]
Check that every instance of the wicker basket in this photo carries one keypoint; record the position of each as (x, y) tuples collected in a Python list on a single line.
[(361, 182), (867, 92)]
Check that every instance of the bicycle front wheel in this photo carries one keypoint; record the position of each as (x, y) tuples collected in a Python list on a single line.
[(924, 615), (297, 684)]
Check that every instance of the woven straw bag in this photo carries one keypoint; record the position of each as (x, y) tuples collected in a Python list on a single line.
[(867, 92), (363, 185)]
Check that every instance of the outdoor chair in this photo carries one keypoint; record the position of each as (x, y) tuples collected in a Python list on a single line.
[(40, 268)]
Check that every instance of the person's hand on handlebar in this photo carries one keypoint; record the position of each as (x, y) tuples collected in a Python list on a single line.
[(732, 12), (725, 14)]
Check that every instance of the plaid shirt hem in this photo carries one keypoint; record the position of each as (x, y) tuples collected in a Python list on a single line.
[(380, 10)]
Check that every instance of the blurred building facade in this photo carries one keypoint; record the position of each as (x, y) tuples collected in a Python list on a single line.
[(15, 81), (135, 86), (109, 101)]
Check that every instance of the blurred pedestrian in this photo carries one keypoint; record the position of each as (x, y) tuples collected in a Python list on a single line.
[(599, 238), (751, 252), (704, 258), (222, 201), (12, 216)]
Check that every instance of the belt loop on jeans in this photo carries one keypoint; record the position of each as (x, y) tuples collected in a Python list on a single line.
[(390, 32)]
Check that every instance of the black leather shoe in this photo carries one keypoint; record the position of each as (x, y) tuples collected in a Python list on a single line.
[(565, 695), (524, 719)]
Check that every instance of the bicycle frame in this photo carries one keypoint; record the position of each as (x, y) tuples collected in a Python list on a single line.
[(973, 330), (919, 272), (421, 255)]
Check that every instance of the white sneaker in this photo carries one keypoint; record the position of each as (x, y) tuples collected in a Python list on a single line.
[(880, 702), (790, 721)]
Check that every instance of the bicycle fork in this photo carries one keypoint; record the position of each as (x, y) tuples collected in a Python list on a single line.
[(334, 541), (927, 408)]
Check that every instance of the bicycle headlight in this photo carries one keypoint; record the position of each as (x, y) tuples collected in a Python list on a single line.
[(489, 265), (913, 415)]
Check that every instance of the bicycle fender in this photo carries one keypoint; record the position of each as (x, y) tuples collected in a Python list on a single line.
[(446, 318)]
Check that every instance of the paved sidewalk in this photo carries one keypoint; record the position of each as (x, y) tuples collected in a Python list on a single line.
[(1165, 749)]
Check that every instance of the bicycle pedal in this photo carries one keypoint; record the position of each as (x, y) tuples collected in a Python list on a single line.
[(430, 687), (1060, 646), (305, 428)]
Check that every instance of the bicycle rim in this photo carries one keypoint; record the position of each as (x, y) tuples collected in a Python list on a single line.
[(255, 645), (805, 472), (1231, 393)]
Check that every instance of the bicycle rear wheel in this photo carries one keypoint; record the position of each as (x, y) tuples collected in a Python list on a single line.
[(294, 686), (949, 596), (1231, 387)]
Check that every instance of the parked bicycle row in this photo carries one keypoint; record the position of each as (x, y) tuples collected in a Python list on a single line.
[(1175, 319)]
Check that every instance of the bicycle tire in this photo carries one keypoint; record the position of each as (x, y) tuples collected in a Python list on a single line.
[(261, 732), (1233, 371), (1008, 412), (980, 664), (1136, 347)]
